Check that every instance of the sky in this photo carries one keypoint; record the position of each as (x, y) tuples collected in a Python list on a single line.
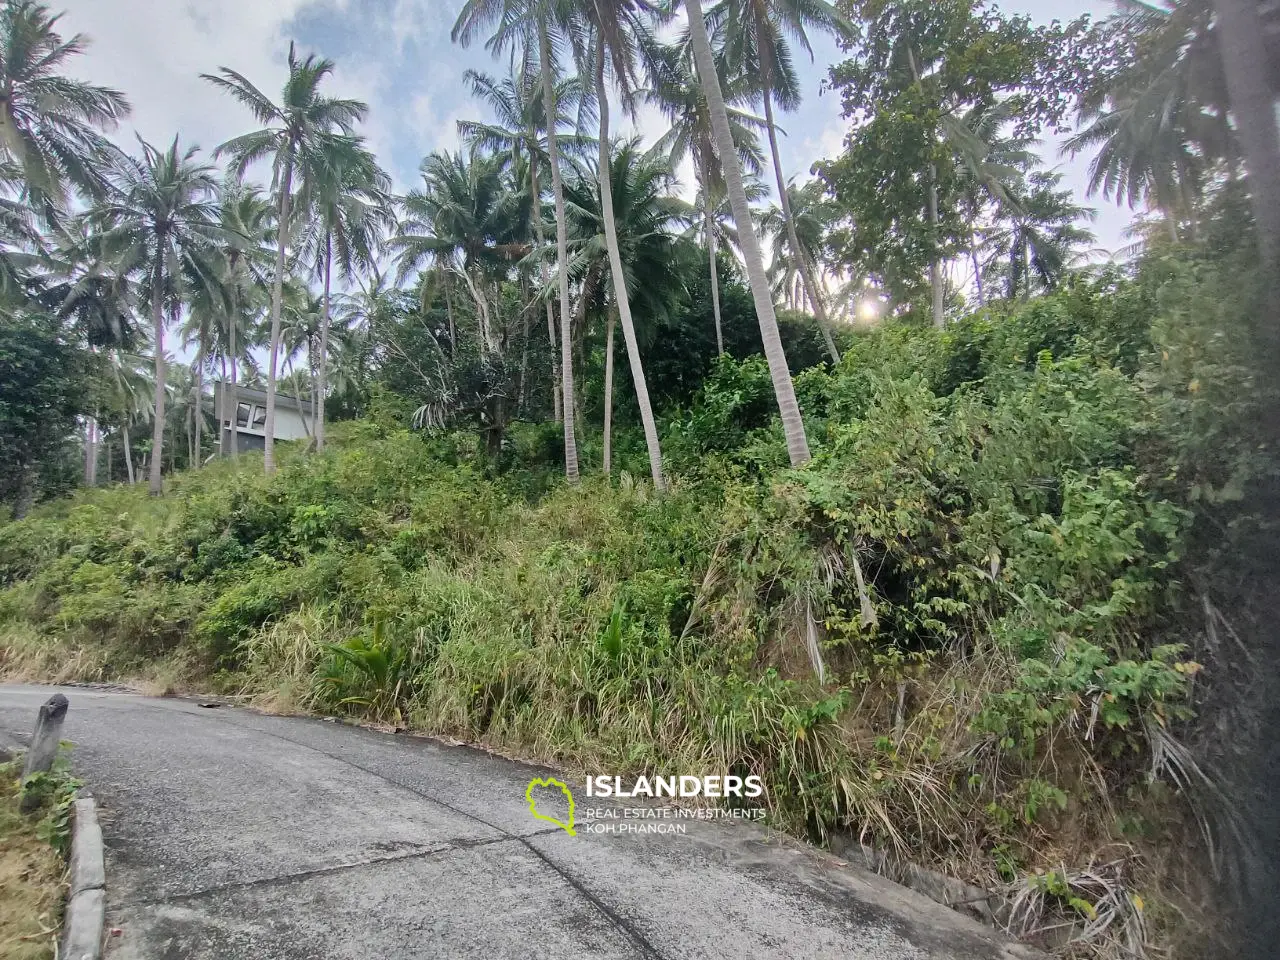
[(396, 56)]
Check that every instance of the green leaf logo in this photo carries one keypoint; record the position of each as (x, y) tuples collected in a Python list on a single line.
[(567, 827)]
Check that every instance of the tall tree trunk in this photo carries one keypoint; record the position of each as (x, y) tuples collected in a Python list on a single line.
[(619, 278), (446, 282), (935, 265), (788, 407), (793, 242), (1243, 45), (977, 270), (711, 235), (524, 347), (197, 411), (322, 367), (297, 395), (156, 485), (608, 398), (128, 454), (536, 190), (234, 399), (277, 294), (90, 453), (562, 254)]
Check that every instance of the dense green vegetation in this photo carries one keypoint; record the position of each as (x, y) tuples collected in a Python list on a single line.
[(951, 579)]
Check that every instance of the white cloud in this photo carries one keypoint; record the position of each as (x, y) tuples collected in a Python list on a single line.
[(155, 50)]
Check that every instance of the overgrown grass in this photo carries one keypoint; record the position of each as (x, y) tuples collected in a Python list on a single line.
[(33, 850), (960, 634)]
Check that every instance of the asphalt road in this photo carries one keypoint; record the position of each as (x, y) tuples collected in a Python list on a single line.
[(233, 835)]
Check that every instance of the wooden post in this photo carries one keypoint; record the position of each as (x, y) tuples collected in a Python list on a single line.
[(47, 736)]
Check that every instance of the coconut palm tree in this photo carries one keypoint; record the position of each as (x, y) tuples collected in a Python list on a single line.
[(622, 39), (649, 223), (160, 217), (1160, 121), (1249, 70), (534, 28), (302, 135), (757, 43), (83, 285), (51, 125), (350, 209), (466, 220), (783, 388), (1044, 235), (519, 128), (247, 219), (809, 221), (680, 97)]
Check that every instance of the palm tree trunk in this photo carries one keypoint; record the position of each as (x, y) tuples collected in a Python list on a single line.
[(788, 407), (542, 273), (977, 270), (619, 278), (935, 265), (197, 412), (90, 453), (156, 485), (448, 306), (277, 294), (1245, 62), (562, 254), (524, 346), (322, 367), (297, 394), (793, 242), (234, 399), (709, 228), (128, 454), (608, 398)]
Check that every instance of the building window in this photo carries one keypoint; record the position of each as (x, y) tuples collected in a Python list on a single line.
[(242, 414), (259, 420)]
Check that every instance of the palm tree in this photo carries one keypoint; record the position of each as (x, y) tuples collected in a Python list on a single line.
[(649, 222), (246, 219), (1161, 120), (783, 388), (50, 124), (467, 222), (808, 224), (622, 38), (681, 99), (351, 209), (84, 286), (161, 216), (990, 168), (302, 135), (520, 124), (1044, 235), (528, 26), (1242, 42), (756, 42)]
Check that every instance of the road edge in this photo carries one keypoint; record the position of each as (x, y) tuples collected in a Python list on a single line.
[(87, 897)]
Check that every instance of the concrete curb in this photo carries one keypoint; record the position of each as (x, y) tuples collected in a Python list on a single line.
[(982, 905), (86, 900)]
